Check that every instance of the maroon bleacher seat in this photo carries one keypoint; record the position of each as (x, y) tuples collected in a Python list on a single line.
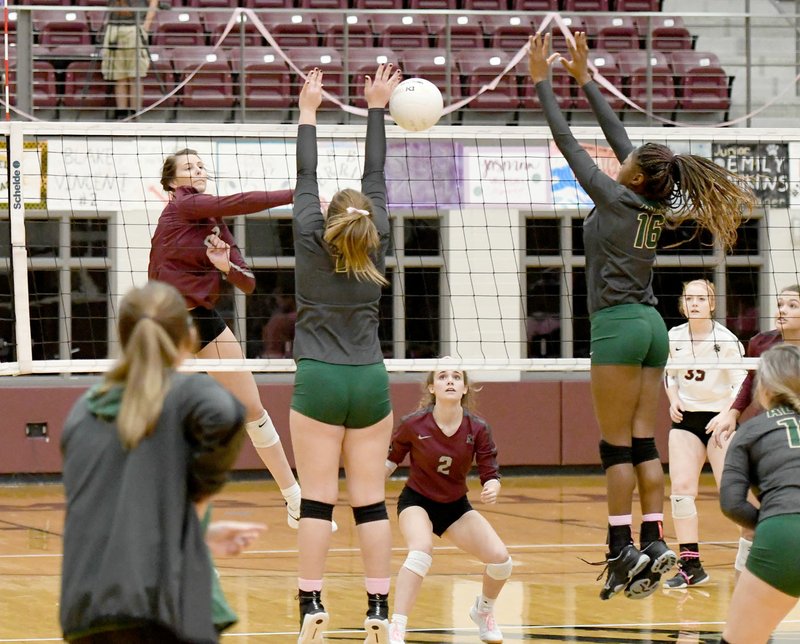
[(181, 28), (94, 3), (85, 88), (216, 21), (479, 68), (509, 31), (633, 68), (701, 82), (485, 5), (45, 95), (202, 4), (295, 29), (378, 4), (432, 5), (212, 86), (534, 5), (328, 60), (668, 32), (265, 76), (46, 3), (431, 64), (466, 31), (400, 31), (323, 4), (56, 28), (363, 62), (606, 65), (159, 81), (561, 82), (586, 5), (331, 28), (612, 33), (268, 4), (637, 5)]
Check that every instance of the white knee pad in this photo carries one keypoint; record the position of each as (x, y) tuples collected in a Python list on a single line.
[(501, 571), (418, 562), (683, 507), (742, 554), (262, 432)]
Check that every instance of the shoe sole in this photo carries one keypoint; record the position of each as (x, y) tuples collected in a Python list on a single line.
[(313, 628), (642, 588), (640, 565), (377, 631)]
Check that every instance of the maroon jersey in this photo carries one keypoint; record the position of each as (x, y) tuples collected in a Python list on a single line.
[(758, 344), (440, 464), (178, 248)]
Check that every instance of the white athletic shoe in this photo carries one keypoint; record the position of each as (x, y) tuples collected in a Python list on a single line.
[(377, 631), (487, 627), (396, 635), (312, 631)]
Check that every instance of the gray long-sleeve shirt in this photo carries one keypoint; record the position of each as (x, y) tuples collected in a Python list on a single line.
[(764, 454), (337, 315), (134, 549), (621, 233)]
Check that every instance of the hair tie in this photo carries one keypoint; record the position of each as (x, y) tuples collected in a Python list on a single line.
[(363, 213)]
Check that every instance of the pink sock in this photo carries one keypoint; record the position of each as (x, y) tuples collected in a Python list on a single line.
[(622, 519), (377, 585), (653, 516), (308, 585)]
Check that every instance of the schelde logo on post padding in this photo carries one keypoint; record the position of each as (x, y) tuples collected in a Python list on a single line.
[(16, 185)]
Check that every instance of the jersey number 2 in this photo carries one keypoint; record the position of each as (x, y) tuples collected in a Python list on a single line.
[(444, 465), (648, 231)]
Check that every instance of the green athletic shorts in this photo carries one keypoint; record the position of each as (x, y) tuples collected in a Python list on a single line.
[(775, 555), (352, 396), (629, 334)]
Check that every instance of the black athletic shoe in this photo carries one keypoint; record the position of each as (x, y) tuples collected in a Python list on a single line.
[(313, 617), (690, 573), (377, 623), (646, 582), (621, 569)]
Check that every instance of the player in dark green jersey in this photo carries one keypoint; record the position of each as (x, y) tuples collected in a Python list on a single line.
[(653, 188), (764, 455)]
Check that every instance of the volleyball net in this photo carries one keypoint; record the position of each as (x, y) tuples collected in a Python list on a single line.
[(486, 263)]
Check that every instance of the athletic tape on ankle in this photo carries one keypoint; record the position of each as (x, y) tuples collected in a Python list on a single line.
[(418, 562), (262, 432), (742, 554), (683, 507), (501, 571)]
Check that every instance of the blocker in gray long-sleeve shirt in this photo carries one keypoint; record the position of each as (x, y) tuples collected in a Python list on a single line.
[(337, 315), (765, 454), (621, 233)]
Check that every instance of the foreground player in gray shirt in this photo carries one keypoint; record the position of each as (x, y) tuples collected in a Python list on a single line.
[(629, 343), (764, 455), (340, 405)]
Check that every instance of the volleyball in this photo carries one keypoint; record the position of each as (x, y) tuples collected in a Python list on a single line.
[(416, 104)]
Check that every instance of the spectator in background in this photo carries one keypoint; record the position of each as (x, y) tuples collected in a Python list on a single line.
[(278, 333), (125, 56)]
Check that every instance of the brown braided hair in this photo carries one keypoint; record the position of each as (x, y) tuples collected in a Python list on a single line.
[(689, 187)]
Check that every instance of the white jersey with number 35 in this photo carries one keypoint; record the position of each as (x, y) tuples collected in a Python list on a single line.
[(705, 389)]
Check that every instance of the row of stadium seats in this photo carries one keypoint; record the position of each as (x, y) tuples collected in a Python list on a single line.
[(680, 80), (308, 29), (470, 5)]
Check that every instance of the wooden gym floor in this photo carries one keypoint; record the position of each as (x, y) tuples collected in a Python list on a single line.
[(548, 523)]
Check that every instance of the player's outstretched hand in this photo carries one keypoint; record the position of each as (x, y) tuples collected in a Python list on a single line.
[(218, 252), (538, 60), (378, 90), (578, 64), (228, 538), (311, 93)]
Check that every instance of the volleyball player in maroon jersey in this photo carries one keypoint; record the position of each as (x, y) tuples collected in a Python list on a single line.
[(194, 251), (443, 437)]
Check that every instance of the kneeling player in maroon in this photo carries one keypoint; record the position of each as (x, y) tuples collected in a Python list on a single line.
[(443, 437)]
